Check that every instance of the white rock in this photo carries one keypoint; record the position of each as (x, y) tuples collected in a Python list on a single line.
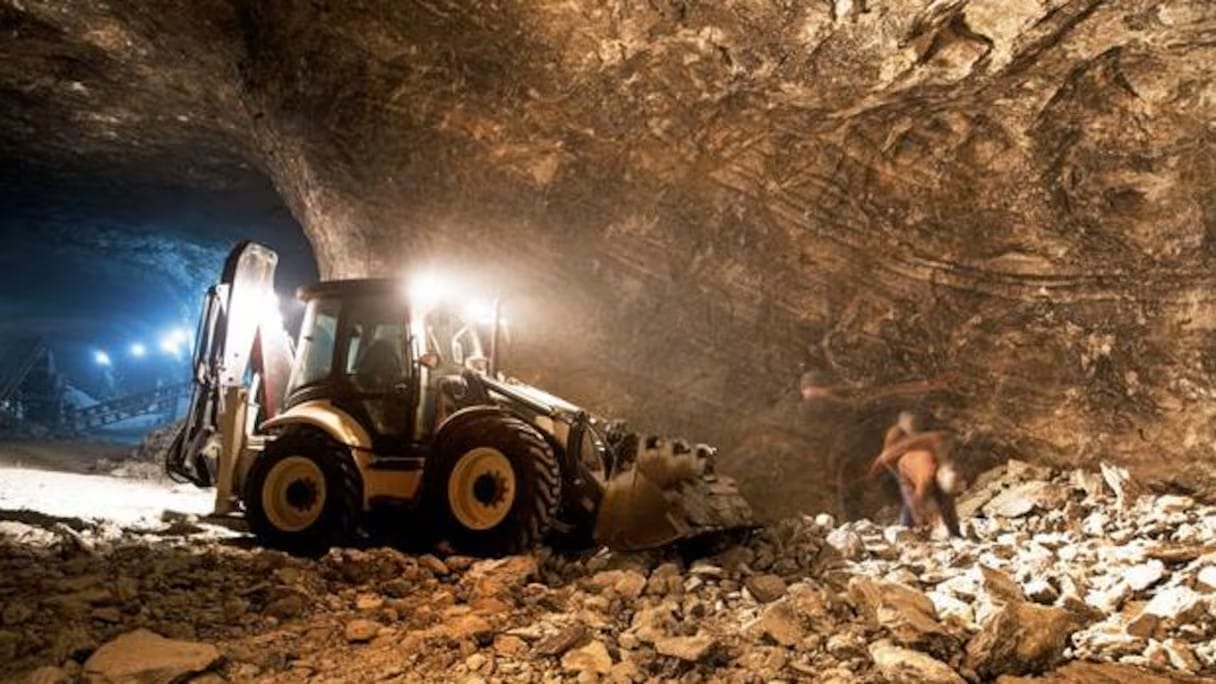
[(1089, 482), (1106, 639), (1035, 558), (898, 534), (965, 587), (1187, 533), (1209, 524), (905, 666), (1181, 656), (1039, 590), (1145, 575), (1108, 599), (1207, 578), (1018, 500), (1095, 524), (1119, 481), (1173, 503), (848, 543), (946, 606), (1171, 606)]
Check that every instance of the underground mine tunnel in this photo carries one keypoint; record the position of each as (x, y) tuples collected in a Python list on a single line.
[(748, 341)]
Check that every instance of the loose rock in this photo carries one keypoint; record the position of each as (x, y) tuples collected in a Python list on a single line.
[(905, 666), (148, 658)]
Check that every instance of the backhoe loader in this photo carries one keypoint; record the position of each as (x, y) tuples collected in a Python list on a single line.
[(392, 402)]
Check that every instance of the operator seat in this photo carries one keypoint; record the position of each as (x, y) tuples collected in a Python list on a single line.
[(379, 367)]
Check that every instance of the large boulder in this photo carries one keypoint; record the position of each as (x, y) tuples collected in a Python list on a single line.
[(1022, 638), (144, 657), (908, 615), (500, 576), (905, 666)]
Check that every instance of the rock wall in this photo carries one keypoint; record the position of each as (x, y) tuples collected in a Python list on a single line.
[(692, 203)]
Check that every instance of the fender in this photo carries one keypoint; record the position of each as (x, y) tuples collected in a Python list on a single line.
[(378, 484), (465, 414), (322, 414)]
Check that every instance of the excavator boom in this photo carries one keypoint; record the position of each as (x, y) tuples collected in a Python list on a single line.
[(240, 344)]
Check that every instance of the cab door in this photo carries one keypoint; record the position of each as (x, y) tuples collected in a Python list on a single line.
[(377, 376)]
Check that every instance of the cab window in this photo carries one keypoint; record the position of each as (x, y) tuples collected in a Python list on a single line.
[(375, 342), (314, 358)]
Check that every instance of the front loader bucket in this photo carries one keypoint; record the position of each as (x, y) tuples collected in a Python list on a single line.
[(669, 494)]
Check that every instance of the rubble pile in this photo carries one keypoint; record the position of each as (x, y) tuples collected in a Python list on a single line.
[(146, 461), (155, 445), (1070, 574)]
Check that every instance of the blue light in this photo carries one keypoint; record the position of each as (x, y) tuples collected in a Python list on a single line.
[(138, 350), (101, 358), (173, 342)]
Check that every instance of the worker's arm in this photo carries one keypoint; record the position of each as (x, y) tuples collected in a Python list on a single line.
[(891, 454)]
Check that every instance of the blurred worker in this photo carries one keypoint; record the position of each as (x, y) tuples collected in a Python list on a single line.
[(923, 464), (850, 417), (906, 425)]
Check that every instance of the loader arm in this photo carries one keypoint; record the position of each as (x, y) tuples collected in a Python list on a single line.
[(242, 359), (647, 492)]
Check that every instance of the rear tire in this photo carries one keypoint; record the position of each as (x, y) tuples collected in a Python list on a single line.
[(303, 495), (492, 486)]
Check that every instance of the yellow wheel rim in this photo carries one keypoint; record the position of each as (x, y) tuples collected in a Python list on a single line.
[(481, 488), (293, 494)]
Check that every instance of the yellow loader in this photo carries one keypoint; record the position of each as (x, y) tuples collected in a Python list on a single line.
[(391, 402)]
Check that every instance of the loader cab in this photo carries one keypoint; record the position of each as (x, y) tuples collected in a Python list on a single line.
[(365, 349), (356, 349)]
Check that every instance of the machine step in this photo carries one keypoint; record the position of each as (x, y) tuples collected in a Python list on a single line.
[(408, 463)]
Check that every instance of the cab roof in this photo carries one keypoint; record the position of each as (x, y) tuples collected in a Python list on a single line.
[(349, 288)]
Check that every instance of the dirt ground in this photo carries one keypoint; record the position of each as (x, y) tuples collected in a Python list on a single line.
[(72, 479), (1067, 575), (69, 456)]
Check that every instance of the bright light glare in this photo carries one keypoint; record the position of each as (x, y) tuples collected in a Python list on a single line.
[(271, 314), (138, 350), (480, 312), (426, 289), (101, 358), (173, 341)]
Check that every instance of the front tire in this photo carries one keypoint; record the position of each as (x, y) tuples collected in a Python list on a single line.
[(492, 486), (303, 495)]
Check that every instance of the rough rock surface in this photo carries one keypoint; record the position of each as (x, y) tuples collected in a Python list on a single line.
[(144, 657), (725, 194), (1022, 638), (905, 666), (910, 608)]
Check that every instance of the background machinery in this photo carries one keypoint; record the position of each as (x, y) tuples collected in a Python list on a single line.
[(391, 403)]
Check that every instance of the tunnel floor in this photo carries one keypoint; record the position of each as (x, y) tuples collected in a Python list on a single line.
[(1070, 576)]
